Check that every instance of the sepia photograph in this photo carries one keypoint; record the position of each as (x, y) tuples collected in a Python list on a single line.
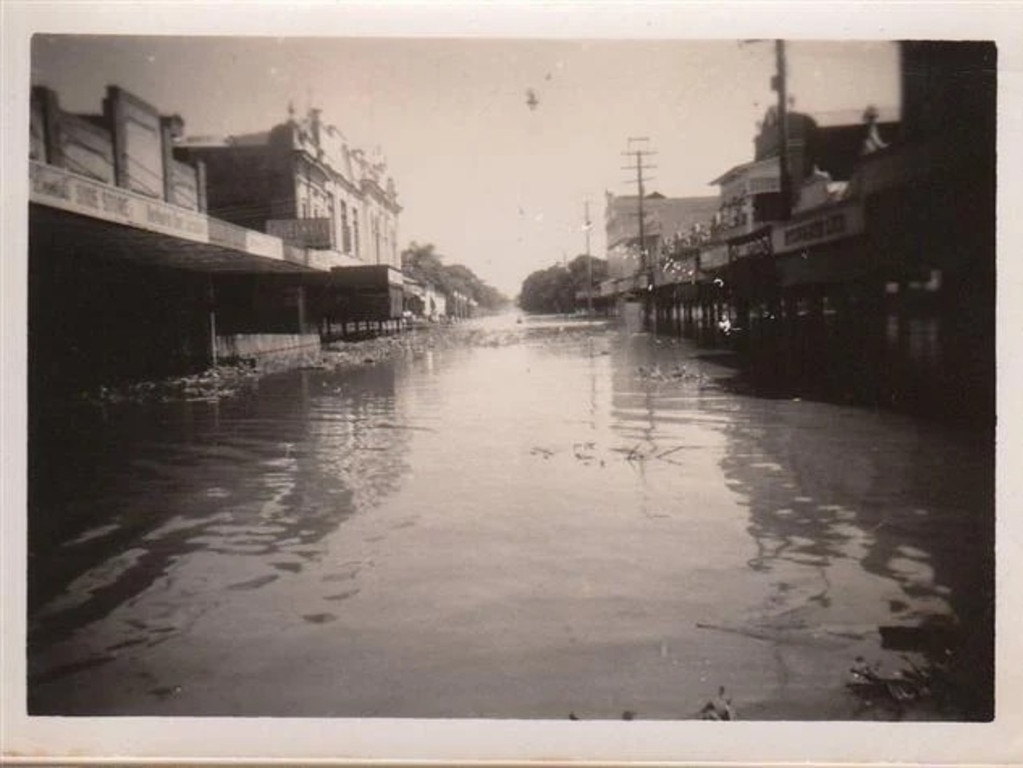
[(599, 384)]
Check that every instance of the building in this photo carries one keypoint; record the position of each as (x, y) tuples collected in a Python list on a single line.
[(823, 151), (304, 182), (129, 145), (875, 281), (424, 300), (136, 270), (665, 219), (129, 277)]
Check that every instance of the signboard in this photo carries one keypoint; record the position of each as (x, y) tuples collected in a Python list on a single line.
[(825, 227), (371, 277), (308, 233), (248, 240), (757, 244), (259, 244), (714, 256), (62, 189)]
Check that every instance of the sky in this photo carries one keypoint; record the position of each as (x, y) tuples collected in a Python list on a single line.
[(489, 181)]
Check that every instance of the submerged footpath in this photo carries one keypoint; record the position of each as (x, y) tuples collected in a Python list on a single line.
[(229, 379)]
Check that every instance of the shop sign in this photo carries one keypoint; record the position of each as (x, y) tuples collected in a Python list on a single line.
[(713, 257), (259, 244), (752, 245), (62, 189), (309, 233), (834, 224)]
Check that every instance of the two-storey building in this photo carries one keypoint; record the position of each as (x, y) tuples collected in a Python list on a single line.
[(304, 182)]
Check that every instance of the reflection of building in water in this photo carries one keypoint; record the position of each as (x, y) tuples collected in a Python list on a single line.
[(359, 438), (858, 524), (264, 477)]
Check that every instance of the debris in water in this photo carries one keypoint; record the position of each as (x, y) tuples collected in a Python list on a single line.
[(718, 708), (584, 451), (896, 689), (669, 451), (319, 618)]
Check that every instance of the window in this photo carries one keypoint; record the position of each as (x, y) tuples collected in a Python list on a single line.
[(346, 232), (355, 228)]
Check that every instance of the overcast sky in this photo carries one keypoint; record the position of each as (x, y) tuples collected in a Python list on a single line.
[(492, 183)]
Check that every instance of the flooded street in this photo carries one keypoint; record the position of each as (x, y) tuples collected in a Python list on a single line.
[(550, 519)]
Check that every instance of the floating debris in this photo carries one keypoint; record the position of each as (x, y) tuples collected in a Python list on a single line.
[(679, 372), (718, 708), (584, 451), (233, 377), (910, 684)]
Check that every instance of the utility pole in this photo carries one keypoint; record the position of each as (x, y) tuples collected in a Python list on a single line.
[(589, 261), (780, 84), (646, 266)]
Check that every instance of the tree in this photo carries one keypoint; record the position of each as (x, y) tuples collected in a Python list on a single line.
[(422, 262), (581, 272), (553, 290)]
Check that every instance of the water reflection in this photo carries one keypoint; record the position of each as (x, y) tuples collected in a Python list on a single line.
[(861, 530), (538, 519), (825, 484), (263, 477)]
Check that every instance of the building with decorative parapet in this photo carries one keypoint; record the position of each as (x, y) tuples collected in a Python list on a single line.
[(132, 274), (304, 182)]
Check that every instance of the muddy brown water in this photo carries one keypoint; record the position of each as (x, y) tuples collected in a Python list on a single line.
[(546, 519)]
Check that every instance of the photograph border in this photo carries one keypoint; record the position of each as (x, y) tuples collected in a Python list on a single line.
[(247, 741)]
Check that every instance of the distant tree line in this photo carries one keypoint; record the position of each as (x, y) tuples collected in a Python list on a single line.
[(553, 290), (423, 263)]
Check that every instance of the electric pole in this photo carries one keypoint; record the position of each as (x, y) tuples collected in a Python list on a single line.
[(589, 261), (646, 266), (779, 83)]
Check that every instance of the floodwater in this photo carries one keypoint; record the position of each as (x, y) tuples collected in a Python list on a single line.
[(552, 519)]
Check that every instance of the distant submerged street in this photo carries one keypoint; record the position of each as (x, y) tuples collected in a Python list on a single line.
[(509, 518)]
